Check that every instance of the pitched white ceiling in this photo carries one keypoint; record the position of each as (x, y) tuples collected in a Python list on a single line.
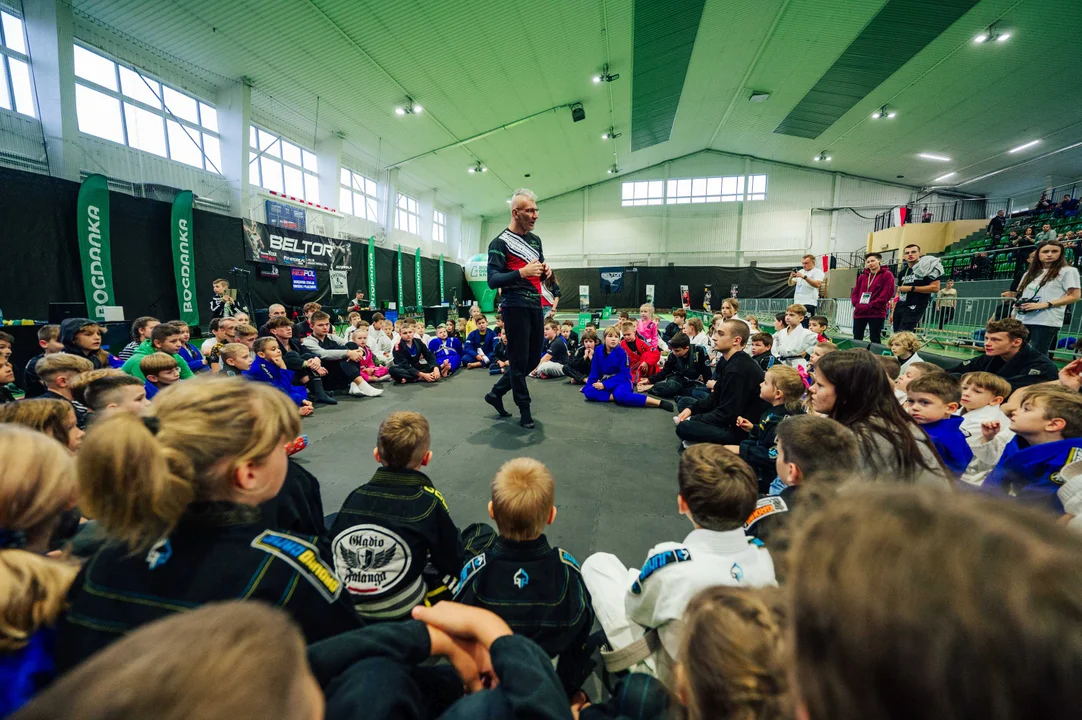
[(483, 64)]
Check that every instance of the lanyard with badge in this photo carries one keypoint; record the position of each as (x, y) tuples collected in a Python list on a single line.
[(866, 297)]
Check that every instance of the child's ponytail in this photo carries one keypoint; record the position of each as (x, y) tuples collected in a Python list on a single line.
[(131, 483)]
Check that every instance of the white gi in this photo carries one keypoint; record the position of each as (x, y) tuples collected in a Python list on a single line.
[(381, 346), (988, 454), (629, 602), (792, 344)]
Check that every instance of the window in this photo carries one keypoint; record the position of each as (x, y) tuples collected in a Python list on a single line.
[(357, 196), (119, 103), (278, 165), (16, 90), (407, 214), (756, 187), (439, 226), (647, 192)]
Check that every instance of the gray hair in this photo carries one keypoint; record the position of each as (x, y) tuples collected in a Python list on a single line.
[(523, 192)]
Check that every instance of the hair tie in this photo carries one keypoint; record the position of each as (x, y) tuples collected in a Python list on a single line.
[(152, 424), (12, 539)]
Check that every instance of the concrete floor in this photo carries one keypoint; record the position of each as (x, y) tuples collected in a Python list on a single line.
[(615, 467)]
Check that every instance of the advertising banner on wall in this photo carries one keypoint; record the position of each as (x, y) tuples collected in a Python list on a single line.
[(292, 248), (708, 297), (442, 296), (685, 297), (94, 246), (303, 279), (417, 278), (339, 283), (476, 270), (180, 226), (612, 280), (584, 298), (400, 304), (372, 271), (650, 294)]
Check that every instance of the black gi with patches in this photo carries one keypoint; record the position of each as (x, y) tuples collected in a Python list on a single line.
[(218, 551)]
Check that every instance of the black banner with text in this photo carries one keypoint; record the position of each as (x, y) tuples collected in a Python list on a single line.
[(291, 248)]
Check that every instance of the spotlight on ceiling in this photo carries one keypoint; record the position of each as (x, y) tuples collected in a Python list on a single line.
[(822, 157), (941, 178), (933, 156), (758, 96), (883, 112), (410, 108), (613, 170), (992, 34), (605, 75), (1020, 148), (577, 113), (610, 134), (479, 167)]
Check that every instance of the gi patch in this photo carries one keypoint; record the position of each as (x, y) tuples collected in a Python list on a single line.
[(772, 453), (470, 569), (737, 572), (769, 505), (370, 559), (304, 557), (567, 559), (1072, 456), (159, 554), (656, 562), (439, 497), (1034, 371), (521, 579)]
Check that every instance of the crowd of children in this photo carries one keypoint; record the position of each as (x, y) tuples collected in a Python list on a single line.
[(838, 501)]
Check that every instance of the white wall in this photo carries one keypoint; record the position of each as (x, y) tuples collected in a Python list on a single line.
[(589, 227)]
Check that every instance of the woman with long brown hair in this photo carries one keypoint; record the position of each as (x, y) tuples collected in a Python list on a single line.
[(851, 387), (1049, 285)]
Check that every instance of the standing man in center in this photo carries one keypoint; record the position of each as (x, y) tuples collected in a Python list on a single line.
[(516, 265), (807, 280)]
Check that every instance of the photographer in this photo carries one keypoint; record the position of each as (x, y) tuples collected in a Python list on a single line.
[(807, 280), (1048, 286)]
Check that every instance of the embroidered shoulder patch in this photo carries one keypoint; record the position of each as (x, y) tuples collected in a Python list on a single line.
[(1034, 371), (304, 557), (770, 505), (470, 569), (657, 562), (568, 559), (1072, 456), (439, 496)]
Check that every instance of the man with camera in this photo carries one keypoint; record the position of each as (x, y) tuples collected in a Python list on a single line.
[(807, 279), (919, 281)]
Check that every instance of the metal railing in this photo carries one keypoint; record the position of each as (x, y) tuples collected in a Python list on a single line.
[(966, 209)]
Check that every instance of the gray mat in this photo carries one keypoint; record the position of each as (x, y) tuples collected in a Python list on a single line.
[(615, 467)]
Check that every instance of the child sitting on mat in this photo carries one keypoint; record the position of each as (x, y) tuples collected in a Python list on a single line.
[(646, 327), (610, 377), (269, 367), (370, 370), (448, 351), (578, 367), (641, 357), (500, 363)]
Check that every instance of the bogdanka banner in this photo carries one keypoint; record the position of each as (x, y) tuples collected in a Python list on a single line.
[(279, 246), (94, 246), (417, 278), (183, 260)]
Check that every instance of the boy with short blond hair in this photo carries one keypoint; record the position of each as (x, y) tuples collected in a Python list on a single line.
[(931, 400), (245, 335), (160, 370), (57, 371), (641, 610), (793, 342), (114, 389), (1049, 421), (536, 588), (389, 528), (49, 342), (235, 358), (914, 371)]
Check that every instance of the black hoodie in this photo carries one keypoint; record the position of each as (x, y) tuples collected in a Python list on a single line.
[(69, 328)]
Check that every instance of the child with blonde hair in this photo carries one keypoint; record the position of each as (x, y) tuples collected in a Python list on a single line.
[(904, 346), (37, 488), (179, 498), (160, 370), (793, 342), (646, 326), (55, 418), (783, 388), (269, 367), (369, 370), (610, 377), (57, 372)]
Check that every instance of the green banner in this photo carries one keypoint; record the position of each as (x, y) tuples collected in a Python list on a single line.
[(183, 257), (400, 306), (417, 280), (94, 249), (372, 272), (442, 296)]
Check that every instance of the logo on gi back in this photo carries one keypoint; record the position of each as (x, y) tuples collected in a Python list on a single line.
[(521, 579), (370, 559)]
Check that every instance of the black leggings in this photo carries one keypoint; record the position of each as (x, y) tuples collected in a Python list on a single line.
[(874, 326), (525, 332)]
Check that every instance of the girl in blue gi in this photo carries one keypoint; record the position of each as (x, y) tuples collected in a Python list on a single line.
[(448, 351), (610, 377)]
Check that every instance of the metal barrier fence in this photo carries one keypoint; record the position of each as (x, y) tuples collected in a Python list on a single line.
[(958, 325)]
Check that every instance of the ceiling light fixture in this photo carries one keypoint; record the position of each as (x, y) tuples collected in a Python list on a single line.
[(822, 157), (411, 108), (883, 112), (478, 168), (577, 112), (605, 76), (613, 170), (992, 33), (1020, 148), (610, 134), (933, 156), (944, 177), (758, 96)]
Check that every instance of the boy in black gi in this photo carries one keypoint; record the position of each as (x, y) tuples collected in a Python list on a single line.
[(389, 528), (413, 360), (537, 589)]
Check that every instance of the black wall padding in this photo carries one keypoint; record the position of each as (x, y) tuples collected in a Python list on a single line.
[(41, 256)]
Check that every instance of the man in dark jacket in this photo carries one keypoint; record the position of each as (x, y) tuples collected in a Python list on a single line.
[(1008, 354), (995, 226), (735, 393)]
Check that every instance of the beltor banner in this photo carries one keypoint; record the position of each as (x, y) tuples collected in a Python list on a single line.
[(279, 246)]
